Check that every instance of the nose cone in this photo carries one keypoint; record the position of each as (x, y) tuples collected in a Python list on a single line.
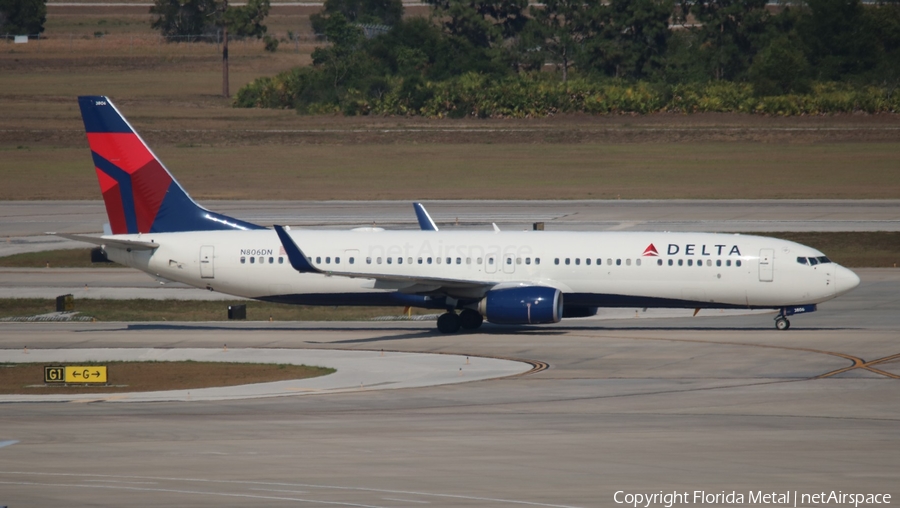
[(844, 280)]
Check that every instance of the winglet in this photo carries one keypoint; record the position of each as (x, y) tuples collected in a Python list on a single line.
[(298, 260), (425, 222), (496, 228)]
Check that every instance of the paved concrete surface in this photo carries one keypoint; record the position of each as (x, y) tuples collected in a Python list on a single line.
[(356, 371), (22, 222), (642, 406)]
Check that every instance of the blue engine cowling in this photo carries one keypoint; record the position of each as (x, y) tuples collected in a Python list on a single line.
[(522, 306)]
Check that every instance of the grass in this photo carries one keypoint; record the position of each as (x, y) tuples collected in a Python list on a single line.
[(483, 171), (180, 310), (27, 378), (63, 258)]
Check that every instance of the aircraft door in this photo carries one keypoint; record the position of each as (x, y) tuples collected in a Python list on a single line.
[(509, 263), (766, 265), (207, 268)]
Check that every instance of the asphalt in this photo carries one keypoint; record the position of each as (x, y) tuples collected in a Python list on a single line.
[(714, 404)]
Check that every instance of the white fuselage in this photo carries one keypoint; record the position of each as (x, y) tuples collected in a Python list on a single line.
[(589, 268)]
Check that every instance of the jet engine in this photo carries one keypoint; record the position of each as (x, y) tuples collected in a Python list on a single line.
[(522, 305)]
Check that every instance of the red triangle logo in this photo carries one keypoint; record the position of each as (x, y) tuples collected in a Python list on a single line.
[(651, 251)]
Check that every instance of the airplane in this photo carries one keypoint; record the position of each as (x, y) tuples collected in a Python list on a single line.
[(504, 277)]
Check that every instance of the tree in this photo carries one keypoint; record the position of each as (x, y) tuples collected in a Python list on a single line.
[(780, 68), (838, 39), (23, 17), (247, 21), (632, 37), (562, 26), (484, 23), (378, 12), (343, 56), (185, 18), (729, 33)]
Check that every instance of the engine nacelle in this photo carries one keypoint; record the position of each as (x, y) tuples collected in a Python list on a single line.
[(522, 306)]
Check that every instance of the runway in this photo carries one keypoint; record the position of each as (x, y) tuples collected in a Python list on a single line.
[(708, 403)]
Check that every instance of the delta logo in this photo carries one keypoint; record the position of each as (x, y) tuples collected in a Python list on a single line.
[(692, 249)]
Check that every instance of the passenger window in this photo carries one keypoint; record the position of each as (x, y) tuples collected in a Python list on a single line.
[(609, 261), (737, 263), (509, 261), (490, 261), (518, 261), (468, 261), (527, 261), (587, 261), (670, 262), (577, 261), (368, 260), (399, 260), (628, 262), (271, 260), (718, 262), (618, 262), (419, 261), (337, 261), (556, 261), (378, 260), (459, 261), (352, 259), (450, 261), (479, 260), (252, 260), (728, 262), (328, 260), (389, 260), (568, 260), (437, 260), (680, 262), (280, 260), (409, 261), (318, 259), (243, 260), (637, 262), (429, 261), (659, 262), (690, 262), (599, 261), (537, 261), (709, 262)]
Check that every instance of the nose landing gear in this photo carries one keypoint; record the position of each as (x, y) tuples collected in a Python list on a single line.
[(782, 323)]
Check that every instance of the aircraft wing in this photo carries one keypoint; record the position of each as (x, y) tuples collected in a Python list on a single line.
[(112, 242), (405, 283)]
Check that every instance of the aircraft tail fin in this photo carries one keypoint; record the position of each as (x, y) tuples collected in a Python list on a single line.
[(140, 194)]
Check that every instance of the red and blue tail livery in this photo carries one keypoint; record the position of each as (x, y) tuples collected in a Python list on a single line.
[(140, 194)]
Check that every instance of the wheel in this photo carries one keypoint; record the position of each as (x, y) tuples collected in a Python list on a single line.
[(782, 323), (470, 319), (448, 323)]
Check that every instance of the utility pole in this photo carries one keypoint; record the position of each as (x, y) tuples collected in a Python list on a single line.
[(225, 51)]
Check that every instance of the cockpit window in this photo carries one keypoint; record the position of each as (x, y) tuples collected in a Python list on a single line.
[(813, 261), (802, 261), (823, 259)]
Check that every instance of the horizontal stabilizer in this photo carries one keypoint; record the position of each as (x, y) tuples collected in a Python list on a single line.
[(110, 242)]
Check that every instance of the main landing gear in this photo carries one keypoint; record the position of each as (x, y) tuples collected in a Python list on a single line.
[(451, 322)]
